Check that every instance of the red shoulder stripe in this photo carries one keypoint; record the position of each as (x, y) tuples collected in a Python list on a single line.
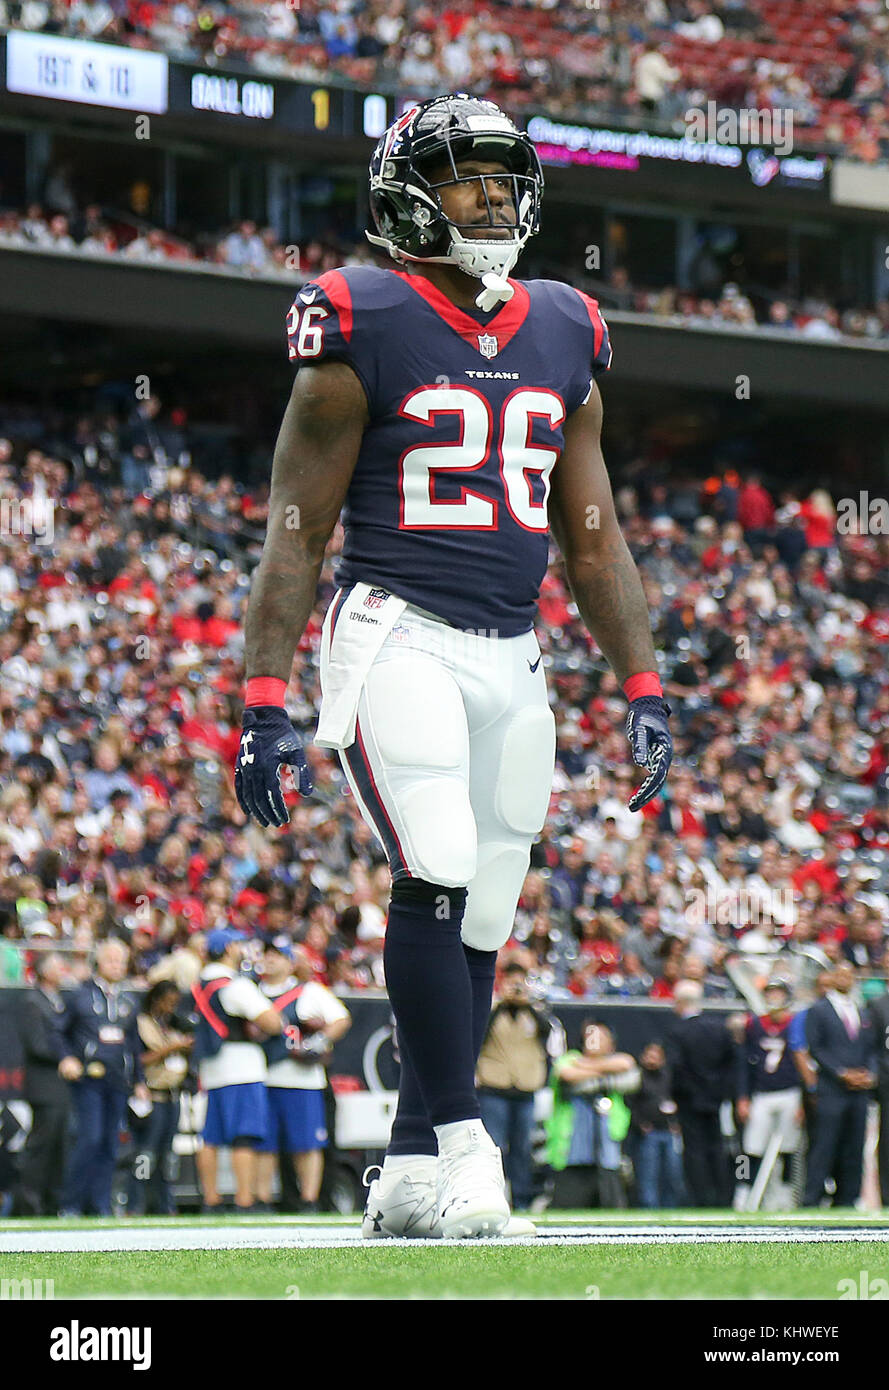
[(281, 1001), (202, 999), (592, 308), (336, 287)]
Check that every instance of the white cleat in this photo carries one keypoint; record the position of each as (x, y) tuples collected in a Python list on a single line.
[(402, 1203), (471, 1188), (518, 1228)]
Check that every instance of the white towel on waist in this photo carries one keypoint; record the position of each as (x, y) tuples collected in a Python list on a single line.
[(363, 621)]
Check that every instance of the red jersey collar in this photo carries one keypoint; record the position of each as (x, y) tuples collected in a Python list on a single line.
[(503, 326)]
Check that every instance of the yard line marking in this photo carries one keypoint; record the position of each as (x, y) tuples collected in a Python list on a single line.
[(242, 1237)]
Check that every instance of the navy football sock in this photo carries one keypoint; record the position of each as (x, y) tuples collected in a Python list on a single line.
[(482, 965), (428, 980), (412, 1131)]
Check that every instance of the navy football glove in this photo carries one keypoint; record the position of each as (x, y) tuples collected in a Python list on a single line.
[(652, 745), (268, 743)]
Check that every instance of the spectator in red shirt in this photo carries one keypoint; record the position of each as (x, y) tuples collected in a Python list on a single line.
[(600, 944), (218, 629), (756, 513), (819, 514), (679, 814), (186, 625), (821, 871), (206, 731), (664, 987)]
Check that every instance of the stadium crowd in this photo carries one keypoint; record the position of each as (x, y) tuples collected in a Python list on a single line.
[(244, 249), (124, 572), (123, 578), (247, 250), (824, 62)]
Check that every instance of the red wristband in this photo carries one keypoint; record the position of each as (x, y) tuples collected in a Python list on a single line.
[(265, 690), (643, 683)]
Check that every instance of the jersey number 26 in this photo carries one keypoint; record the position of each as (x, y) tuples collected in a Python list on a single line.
[(473, 510)]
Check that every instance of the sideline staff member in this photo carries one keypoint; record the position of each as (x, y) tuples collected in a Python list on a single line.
[(232, 1065), (314, 1019), (46, 1091), (105, 1064)]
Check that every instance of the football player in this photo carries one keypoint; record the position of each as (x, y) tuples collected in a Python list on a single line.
[(769, 1094), (453, 413)]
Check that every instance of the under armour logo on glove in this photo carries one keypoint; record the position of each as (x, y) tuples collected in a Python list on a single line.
[(268, 743), (244, 757), (652, 745)]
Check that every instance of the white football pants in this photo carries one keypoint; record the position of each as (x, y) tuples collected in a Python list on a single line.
[(771, 1111), (452, 762)]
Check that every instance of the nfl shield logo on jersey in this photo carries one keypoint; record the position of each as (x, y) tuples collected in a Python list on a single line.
[(487, 345), (376, 598)]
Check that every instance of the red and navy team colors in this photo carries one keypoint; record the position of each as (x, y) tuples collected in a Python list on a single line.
[(447, 507), (214, 1026), (285, 1044), (767, 1060)]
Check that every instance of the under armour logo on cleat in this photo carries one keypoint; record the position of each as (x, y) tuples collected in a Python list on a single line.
[(533, 668)]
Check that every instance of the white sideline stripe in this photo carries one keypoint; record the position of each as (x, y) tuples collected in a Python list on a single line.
[(332, 1237)]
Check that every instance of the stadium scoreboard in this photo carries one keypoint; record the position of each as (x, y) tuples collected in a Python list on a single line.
[(96, 74), (129, 79), (305, 108), (208, 102)]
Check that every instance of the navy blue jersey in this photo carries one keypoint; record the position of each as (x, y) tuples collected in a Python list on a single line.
[(284, 1044), (447, 507), (213, 1024), (768, 1059)]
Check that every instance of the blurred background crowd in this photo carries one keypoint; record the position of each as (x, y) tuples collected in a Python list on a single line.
[(824, 60), (745, 912), (248, 250), (122, 646)]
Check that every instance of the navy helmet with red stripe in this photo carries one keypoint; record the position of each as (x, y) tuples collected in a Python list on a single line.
[(406, 206)]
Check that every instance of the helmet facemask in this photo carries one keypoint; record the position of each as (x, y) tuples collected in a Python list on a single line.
[(477, 254), (406, 198)]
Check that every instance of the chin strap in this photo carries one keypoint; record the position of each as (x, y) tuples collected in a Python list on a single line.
[(497, 288)]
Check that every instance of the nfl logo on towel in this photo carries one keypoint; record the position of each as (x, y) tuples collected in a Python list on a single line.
[(487, 345), (376, 598)]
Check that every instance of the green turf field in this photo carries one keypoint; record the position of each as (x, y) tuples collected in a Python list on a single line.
[(768, 1271), (724, 1269)]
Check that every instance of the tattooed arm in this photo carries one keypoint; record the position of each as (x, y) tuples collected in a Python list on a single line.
[(314, 460), (601, 572)]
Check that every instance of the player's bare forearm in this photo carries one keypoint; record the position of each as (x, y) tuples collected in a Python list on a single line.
[(314, 459), (609, 595), (601, 571), (281, 600)]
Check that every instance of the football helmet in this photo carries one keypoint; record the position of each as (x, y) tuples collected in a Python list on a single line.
[(405, 203)]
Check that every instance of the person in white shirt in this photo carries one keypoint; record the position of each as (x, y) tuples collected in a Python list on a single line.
[(653, 76), (703, 26), (798, 833), (243, 248), (20, 830), (233, 1016), (313, 1020)]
